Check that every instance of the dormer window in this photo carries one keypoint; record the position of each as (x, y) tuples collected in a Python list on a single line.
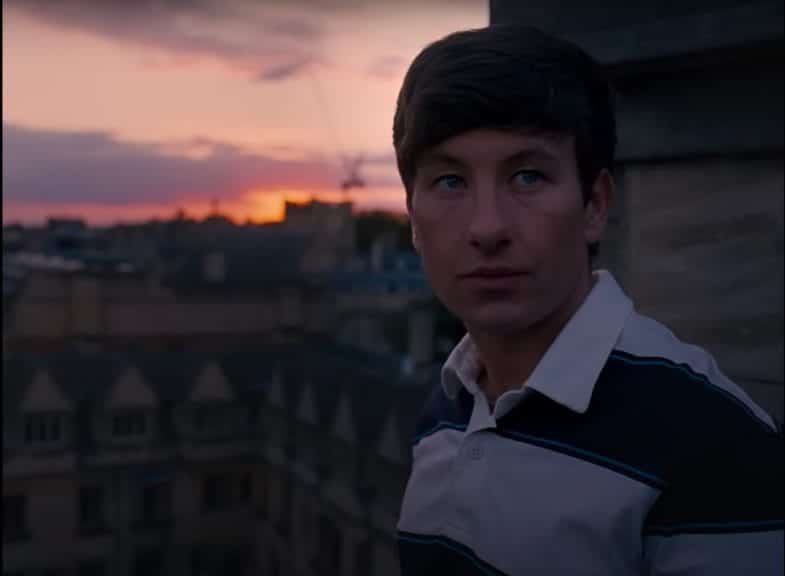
[(46, 413), (212, 403), (44, 429), (131, 408), (129, 424), (211, 418)]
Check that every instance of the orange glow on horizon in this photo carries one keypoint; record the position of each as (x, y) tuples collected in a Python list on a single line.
[(258, 206), (156, 97)]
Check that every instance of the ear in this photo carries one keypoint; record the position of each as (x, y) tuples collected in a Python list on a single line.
[(410, 212), (598, 207), (415, 240)]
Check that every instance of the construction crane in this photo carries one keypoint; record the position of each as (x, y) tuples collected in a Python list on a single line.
[(352, 178)]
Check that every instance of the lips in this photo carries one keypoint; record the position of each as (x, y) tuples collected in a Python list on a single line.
[(492, 273)]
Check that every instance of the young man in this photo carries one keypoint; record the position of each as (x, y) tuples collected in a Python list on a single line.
[(569, 435)]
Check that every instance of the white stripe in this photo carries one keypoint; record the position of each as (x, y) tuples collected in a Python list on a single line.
[(644, 336), (423, 507), (526, 509)]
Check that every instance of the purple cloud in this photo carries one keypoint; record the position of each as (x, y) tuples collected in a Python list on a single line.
[(93, 167), (43, 166), (284, 71), (269, 42)]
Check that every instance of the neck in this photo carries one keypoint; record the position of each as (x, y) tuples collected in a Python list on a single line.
[(510, 358)]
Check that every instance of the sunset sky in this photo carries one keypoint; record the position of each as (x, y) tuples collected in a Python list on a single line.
[(126, 110)]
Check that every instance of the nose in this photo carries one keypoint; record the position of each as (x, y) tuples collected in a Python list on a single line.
[(488, 228)]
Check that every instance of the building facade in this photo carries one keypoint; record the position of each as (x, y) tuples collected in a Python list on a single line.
[(286, 457), (696, 238), (227, 409)]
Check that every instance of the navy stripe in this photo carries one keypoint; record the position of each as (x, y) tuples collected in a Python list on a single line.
[(647, 420), (724, 466), (717, 467), (593, 457), (716, 528), (618, 432), (427, 554), (440, 410), (688, 371)]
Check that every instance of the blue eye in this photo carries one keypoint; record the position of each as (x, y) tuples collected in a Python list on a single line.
[(527, 177), (448, 183)]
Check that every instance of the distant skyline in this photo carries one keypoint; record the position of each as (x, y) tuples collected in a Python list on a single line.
[(124, 111)]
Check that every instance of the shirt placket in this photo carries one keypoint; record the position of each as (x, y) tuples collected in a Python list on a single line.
[(469, 470)]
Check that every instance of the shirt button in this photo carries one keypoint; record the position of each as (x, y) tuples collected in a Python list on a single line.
[(475, 453)]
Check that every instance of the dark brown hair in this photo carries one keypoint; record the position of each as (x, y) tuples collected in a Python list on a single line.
[(507, 77)]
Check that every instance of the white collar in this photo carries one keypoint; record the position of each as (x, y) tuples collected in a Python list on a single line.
[(569, 368)]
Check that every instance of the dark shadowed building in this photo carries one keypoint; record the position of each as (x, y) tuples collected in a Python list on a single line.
[(287, 455), (697, 234)]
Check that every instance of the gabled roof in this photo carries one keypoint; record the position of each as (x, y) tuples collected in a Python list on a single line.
[(131, 390), (44, 395), (348, 393), (212, 386)]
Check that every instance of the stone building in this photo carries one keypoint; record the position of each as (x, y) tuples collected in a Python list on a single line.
[(288, 456), (697, 234), (227, 417)]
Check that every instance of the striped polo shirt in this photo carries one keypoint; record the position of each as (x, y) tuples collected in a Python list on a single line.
[(626, 452)]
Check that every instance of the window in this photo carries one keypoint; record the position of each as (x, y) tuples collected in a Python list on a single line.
[(246, 488), (235, 561), (253, 414), (91, 509), (14, 518), (329, 546), (92, 567), (156, 503), (362, 558), (260, 492), (216, 492), (209, 418), (274, 563), (284, 508), (197, 561), (129, 424), (42, 429), (309, 535), (204, 561), (148, 562)]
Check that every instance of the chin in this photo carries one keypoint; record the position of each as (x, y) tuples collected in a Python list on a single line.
[(501, 320)]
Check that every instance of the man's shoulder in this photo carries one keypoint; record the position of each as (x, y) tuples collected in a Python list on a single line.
[(679, 379), (698, 430), (665, 407)]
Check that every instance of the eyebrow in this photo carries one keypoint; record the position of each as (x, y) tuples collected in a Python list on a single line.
[(521, 156), (431, 158), (532, 155)]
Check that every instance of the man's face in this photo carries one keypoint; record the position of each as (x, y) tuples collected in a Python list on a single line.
[(500, 222)]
